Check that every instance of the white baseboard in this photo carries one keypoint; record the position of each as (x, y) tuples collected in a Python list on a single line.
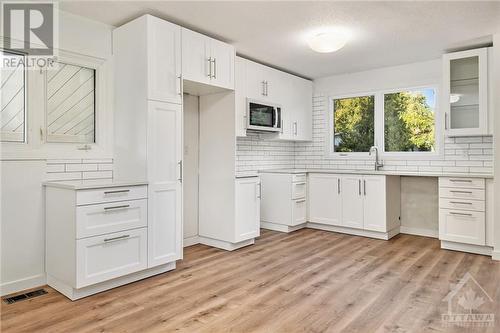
[(357, 232), (419, 232), (189, 241), (228, 246), (23, 284), (477, 249), (281, 227)]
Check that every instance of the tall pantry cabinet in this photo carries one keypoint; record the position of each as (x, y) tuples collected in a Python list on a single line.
[(148, 125)]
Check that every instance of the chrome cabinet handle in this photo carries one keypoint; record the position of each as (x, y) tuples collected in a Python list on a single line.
[(267, 88), (114, 192), (300, 201), (359, 186), (364, 186), (116, 207), (215, 67), (461, 180), (338, 185), (263, 88), (209, 67), (465, 192), (462, 203), (259, 190), (180, 85), (295, 128), (106, 240), (446, 120), (281, 129), (461, 214), (180, 171)]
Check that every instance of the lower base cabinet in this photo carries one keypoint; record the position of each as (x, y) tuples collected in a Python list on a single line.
[(366, 202), (248, 194)]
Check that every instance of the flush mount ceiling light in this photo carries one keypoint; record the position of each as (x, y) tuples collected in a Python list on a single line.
[(328, 41)]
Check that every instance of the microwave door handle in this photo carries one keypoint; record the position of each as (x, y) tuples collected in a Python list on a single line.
[(275, 123)]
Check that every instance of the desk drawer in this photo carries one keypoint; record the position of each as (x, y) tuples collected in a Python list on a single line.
[(102, 195), (461, 193), (102, 258), (465, 204), (94, 220), (458, 182), (462, 226)]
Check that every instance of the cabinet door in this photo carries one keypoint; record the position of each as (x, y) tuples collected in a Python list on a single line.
[(325, 204), (164, 61), (240, 97), (223, 64), (164, 155), (352, 201), (466, 90), (247, 208), (255, 82), (195, 57), (374, 206), (302, 112)]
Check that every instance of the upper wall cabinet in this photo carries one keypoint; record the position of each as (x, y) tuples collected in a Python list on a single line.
[(206, 60), (292, 93), (465, 95), (148, 51)]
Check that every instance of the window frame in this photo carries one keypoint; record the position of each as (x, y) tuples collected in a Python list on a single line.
[(379, 127)]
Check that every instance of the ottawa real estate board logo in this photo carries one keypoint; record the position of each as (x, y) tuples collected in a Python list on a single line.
[(469, 305), (30, 28)]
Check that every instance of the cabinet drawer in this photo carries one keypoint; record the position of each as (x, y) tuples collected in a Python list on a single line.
[(462, 226), (87, 197), (299, 190), (299, 211), (461, 193), (461, 182), (94, 220), (109, 256), (299, 178), (465, 204)]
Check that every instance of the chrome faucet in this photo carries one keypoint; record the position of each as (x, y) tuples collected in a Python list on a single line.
[(378, 164)]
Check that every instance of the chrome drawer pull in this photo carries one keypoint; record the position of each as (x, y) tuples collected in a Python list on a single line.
[(462, 203), (461, 214), (300, 201), (115, 238), (461, 180), (466, 192), (113, 192), (117, 207)]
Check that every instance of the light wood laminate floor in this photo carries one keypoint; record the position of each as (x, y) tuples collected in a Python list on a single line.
[(306, 281)]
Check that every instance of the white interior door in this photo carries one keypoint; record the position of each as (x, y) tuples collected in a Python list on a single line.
[(374, 206), (195, 54), (352, 202), (223, 66), (164, 61), (164, 156), (247, 208), (325, 204)]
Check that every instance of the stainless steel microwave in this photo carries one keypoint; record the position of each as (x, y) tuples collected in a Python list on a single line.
[(263, 116)]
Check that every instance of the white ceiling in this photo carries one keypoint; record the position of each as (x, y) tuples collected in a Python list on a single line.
[(384, 33)]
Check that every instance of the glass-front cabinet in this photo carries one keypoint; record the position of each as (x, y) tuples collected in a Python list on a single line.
[(466, 92)]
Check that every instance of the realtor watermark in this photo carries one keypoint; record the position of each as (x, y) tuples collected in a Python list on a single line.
[(29, 29), (469, 305)]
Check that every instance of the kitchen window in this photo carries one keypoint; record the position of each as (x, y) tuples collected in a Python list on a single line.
[(353, 124), (410, 121), (402, 123), (13, 97)]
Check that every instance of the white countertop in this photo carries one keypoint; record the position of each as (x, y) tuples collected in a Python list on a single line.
[(382, 172), (93, 184)]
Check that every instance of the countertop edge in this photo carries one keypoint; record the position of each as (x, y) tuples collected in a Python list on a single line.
[(91, 184)]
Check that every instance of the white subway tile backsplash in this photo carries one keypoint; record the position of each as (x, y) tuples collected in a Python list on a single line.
[(78, 169), (81, 167)]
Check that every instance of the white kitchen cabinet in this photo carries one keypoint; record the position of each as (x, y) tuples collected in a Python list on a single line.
[(248, 195), (465, 95), (147, 51), (300, 109), (258, 80), (206, 60), (240, 97), (374, 203), (148, 133), (462, 213), (97, 235), (284, 201), (352, 201), (325, 201)]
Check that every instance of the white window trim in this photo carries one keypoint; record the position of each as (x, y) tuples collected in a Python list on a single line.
[(379, 125), (36, 147)]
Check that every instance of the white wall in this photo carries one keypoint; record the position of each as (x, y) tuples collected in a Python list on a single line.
[(190, 169), (22, 205)]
